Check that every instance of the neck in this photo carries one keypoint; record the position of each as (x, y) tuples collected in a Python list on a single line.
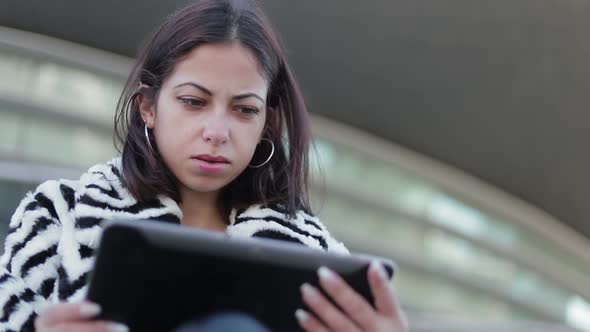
[(201, 210)]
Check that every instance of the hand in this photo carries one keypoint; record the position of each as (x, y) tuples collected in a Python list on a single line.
[(356, 314), (74, 317)]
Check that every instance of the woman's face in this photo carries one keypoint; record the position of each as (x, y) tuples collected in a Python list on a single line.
[(209, 116)]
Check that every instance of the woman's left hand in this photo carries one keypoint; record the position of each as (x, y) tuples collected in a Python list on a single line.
[(356, 314)]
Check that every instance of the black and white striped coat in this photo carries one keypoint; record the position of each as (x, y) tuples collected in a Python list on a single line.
[(55, 229)]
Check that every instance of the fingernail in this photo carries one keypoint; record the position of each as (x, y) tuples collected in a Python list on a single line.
[(325, 273), (116, 327), (301, 315), (308, 290), (378, 267), (89, 310)]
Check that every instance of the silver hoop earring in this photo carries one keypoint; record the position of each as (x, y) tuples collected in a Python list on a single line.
[(147, 137), (272, 152)]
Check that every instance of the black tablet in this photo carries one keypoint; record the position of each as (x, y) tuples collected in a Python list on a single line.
[(154, 276)]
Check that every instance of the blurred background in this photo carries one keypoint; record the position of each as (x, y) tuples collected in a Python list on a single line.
[(450, 135)]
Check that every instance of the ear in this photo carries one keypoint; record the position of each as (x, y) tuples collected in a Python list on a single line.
[(147, 109)]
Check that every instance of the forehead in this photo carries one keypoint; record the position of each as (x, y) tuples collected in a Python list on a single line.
[(220, 66)]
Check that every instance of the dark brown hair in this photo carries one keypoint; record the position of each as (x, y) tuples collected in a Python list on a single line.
[(284, 179)]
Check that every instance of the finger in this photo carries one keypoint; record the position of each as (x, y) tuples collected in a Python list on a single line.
[(385, 299), (67, 312), (90, 326), (353, 304), (309, 323), (325, 310)]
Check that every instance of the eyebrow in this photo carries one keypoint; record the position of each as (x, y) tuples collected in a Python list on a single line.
[(208, 92)]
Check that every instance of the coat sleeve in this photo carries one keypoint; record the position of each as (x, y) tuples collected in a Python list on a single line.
[(29, 264)]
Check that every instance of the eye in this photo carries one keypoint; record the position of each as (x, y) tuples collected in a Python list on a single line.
[(193, 102), (247, 110)]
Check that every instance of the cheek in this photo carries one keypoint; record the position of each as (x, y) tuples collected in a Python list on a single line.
[(246, 148), (247, 141), (171, 129)]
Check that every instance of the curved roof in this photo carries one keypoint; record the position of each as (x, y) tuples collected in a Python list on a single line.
[(497, 89)]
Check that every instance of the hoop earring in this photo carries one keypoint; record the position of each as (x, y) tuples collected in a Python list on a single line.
[(147, 138), (272, 152)]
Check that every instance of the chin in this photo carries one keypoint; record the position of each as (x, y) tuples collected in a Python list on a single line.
[(206, 185)]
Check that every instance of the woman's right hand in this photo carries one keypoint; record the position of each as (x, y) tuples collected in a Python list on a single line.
[(75, 317)]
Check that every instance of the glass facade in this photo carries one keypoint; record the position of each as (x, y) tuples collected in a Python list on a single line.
[(454, 258), (54, 113)]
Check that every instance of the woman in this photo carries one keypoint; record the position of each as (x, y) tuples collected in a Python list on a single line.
[(214, 134)]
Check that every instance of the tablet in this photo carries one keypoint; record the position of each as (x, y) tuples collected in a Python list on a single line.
[(154, 276)]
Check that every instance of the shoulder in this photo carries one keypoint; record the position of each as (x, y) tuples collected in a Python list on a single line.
[(52, 198), (104, 183), (55, 199), (105, 175), (274, 222)]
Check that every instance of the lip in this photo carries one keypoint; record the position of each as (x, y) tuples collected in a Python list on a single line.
[(211, 159), (211, 164)]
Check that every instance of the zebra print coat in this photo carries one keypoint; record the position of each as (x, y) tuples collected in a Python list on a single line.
[(55, 229)]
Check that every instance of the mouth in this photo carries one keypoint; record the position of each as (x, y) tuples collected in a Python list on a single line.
[(211, 164), (211, 159)]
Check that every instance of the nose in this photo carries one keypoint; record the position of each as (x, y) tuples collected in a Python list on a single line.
[(216, 129)]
